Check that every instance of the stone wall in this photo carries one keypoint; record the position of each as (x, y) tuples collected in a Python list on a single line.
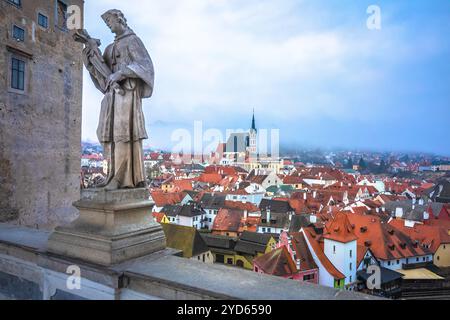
[(40, 128)]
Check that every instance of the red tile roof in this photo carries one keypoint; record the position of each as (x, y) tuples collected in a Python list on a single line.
[(250, 207), (228, 220), (277, 263), (212, 178), (158, 216), (162, 199), (385, 241), (340, 229), (433, 236)]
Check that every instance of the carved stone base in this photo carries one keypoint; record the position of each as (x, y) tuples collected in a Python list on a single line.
[(113, 227)]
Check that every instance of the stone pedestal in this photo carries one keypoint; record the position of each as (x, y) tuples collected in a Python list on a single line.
[(113, 227)]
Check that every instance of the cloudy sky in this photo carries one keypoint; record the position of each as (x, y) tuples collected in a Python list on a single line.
[(310, 68)]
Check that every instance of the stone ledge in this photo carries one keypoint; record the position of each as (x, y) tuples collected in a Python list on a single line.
[(118, 196)]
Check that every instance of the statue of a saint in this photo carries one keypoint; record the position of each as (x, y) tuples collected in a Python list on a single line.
[(125, 74)]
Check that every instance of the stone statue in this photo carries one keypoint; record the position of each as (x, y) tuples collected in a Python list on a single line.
[(125, 75)]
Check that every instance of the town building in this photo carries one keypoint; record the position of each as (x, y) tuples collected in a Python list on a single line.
[(189, 241)]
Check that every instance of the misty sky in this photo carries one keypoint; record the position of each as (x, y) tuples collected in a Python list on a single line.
[(310, 68)]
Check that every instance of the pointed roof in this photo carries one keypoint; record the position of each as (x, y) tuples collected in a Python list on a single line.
[(186, 239), (254, 121), (277, 263), (340, 229)]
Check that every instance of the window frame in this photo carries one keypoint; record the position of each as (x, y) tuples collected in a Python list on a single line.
[(23, 59), (16, 3), (13, 33), (41, 14), (57, 22)]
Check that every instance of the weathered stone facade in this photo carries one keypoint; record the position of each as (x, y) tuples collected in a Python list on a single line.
[(40, 127)]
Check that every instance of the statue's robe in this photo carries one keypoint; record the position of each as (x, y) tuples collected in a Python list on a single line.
[(122, 125)]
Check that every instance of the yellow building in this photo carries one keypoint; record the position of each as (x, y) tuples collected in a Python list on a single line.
[(241, 251), (442, 255)]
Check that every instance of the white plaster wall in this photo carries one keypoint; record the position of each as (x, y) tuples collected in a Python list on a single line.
[(345, 255)]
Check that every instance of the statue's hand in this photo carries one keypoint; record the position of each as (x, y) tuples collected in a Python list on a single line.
[(114, 78)]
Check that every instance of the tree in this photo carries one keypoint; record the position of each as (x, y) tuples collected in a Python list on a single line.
[(383, 167)]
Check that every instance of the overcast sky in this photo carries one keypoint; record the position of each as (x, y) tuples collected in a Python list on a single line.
[(310, 68)]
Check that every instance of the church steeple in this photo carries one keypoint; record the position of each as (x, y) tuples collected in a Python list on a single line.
[(254, 121)]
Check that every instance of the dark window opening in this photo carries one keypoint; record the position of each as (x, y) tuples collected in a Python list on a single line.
[(16, 2), (17, 74), (61, 15), (220, 258)]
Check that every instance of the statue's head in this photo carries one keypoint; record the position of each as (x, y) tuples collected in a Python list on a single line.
[(115, 20)]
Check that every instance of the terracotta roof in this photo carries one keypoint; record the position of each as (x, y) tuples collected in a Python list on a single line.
[(158, 216), (228, 220), (277, 263), (340, 229), (432, 236), (250, 207), (211, 178), (183, 185), (293, 180), (162, 199), (384, 241)]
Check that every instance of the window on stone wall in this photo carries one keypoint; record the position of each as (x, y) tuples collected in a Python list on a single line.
[(17, 74), (61, 13), (16, 2), (18, 34), (43, 20)]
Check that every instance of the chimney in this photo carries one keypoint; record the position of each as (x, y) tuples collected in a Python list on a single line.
[(298, 264)]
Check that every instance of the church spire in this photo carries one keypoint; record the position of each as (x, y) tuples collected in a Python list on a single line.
[(253, 121)]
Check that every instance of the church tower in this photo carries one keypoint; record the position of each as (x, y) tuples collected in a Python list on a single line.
[(253, 139)]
